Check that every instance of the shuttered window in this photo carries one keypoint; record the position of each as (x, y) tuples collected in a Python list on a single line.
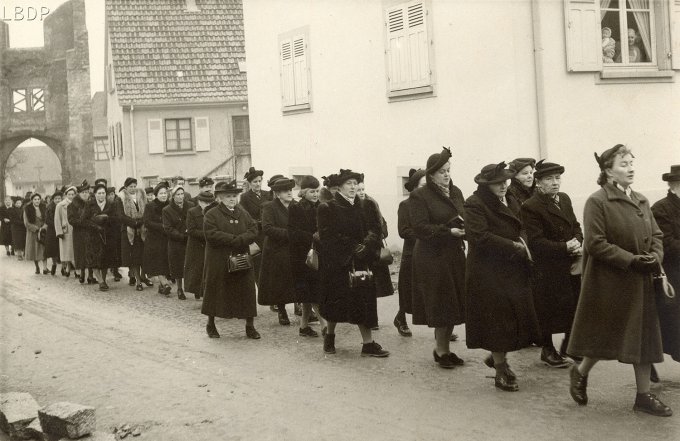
[(295, 72), (202, 134), (155, 136)]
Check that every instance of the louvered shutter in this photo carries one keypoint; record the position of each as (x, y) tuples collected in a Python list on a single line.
[(583, 39), (155, 135), (112, 142), (396, 48), (408, 46), (202, 134), (287, 75), (675, 33), (418, 47), (300, 70), (119, 135)]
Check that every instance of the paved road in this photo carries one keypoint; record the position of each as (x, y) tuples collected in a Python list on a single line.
[(144, 359)]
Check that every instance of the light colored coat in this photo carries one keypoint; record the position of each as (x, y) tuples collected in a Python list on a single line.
[(61, 226)]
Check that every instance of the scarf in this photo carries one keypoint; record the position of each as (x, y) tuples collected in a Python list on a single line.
[(444, 189), (135, 211)]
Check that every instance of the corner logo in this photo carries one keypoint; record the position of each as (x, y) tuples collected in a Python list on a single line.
[(28, 13)]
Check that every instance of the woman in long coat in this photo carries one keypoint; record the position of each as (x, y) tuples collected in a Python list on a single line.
[(303, 235), (64, 232), (252, 201), (34, 220), (499, 304), (156, 243), (99, 212), (6, 226), (76, 217), (114, 227), (416, 179), (16, 218), (195, 252), (522, 185), (229, 230), (616, 317), (436, 214), (350, 241), (174, 217), (132, 230), (51, 240)]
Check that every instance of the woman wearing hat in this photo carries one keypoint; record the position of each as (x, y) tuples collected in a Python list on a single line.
[(99, 212), (6, 226), (131, 210), (416, 179), (350, 241), (522, 185), (175, 224), (276, 281), (500, 309), (51, 241), (195, 250), (76, 217), (303, 235), (150, 196), (229, 230), (156, 243), (252, 201), (34, 220), (616, 317), (554, 239), (114, 226), (64, 231), (436, 216), (16, 218)]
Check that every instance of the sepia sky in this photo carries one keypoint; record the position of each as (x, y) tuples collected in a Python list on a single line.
[(29, 33)]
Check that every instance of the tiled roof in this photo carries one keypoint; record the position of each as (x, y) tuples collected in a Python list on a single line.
[(99, 122), (153, 40)]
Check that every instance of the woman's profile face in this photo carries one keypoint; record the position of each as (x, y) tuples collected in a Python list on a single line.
[(622, 170), (526, 176), (500, 189), (162, 195), (256, 184), (312, 194), (442, 177), (349, 188)]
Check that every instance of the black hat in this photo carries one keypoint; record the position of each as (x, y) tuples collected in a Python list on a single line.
[(206, 196), (361, 178), (83, 187), (345, 175), (674, 175), (110, 190), (58, 192), (414, 176), (16, 198), (205, 181), (252, 174), (281, 184), (157, 188), (309, 182), (518, 164), (546, 168), (148, 190), (273, 179), (437, 161), (101, 180), (129, 181), (607, 155), (493, 174), (98, 186), (330, 180), (227, 187)]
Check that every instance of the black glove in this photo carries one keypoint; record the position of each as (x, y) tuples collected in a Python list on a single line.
[(644, 264), (360, 251), (60, 236)]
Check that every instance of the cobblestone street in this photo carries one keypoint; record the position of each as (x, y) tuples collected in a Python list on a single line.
[(143, 359)]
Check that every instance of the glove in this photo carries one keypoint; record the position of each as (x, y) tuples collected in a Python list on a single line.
[(360, 251), (60, 236), (316, 237), (644, 264)]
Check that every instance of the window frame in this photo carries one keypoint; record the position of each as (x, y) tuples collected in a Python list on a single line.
[(178, 133), (28, 98), (246, 140), (101, 149)]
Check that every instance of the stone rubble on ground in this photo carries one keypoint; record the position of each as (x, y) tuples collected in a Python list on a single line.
[(68, 419), (17, 412), (35, 432)]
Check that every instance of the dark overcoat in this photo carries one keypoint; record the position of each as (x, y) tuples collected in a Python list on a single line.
[(438, 269), (114, 225), (101, 239), (76, 217), (276, 279), (343, 226), (301, 229), (51, 241), (548, 229), (381, 271), (405, 230), (667, 215), (5, 226), (616, 317), (156, 243), (519, 193), (195, 252), (16, 218), (175, 225), (499, 302), (225, 294), (252, 203)]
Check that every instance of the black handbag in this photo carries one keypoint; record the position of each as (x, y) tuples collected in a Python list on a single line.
[(664, 290), (42, 235), (359, 279), (239, 262), (386, 257)]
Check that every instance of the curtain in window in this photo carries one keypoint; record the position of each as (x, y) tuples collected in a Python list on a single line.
[(643, 22), (603, 5)]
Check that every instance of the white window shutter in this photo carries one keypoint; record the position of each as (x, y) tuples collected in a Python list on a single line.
[(155, 135), (584, 38), (287, 75), (418, 45), (300, 70), (675, 33), (202, 134), (397, 58)]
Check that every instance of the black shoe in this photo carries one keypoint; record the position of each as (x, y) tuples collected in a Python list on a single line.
[(197, 296), (139, 287), (654, 375), (117, 276), (443, 361), (180, 294), (9, 253), (578, 385), (53, 271), (650, 404), (63, 272), (132, 281), (550, 357), (505, 380), (313, 318), (148, 282), (91, 281), (46, 271), (297, 309), (329, 343), (402, 327), (103, 286), (456, 360), (251, 332), (373, 349), (212, 331), (37, 270), (308, 332), (12, 252), (283, 318)]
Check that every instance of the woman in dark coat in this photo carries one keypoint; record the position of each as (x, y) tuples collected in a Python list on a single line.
[(416, 179), (76, 217), (195, 251), (667, 215), (522, 185), (499, 304), (6, 226), (554, 239), (131, 208), (350, 240), (114, 225), (229, 230), (16, 219), (276, 281), (156, 243), (616, 317), (252, 201), (101, 239), (175, 224), (34, 220), (436, 215), (51, 240), (303, 235)]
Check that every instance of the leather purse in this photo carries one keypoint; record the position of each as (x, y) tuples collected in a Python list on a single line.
[(312, 260), (359, 279), (239, 262), (664, 290), (386, 257)]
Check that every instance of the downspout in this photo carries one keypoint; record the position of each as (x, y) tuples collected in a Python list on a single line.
[(539, 77), (132, 141)]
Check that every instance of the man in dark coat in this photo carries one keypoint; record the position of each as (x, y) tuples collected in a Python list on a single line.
[(555, 239), (195, 251), (252, 201), (76, 217), (667, 215), (174, 217)]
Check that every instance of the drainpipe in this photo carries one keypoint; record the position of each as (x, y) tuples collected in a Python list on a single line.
[(539, 77), (132, 141)]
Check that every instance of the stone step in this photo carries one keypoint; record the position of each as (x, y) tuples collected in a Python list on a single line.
[(67, 420)]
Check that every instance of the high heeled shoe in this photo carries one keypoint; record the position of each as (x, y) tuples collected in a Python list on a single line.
[(53, 271), (443, 361), (45, 271), (180, 294), (139, 287)]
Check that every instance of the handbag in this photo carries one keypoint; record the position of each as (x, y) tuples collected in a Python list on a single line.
[(664, 290), (386, 257), (239, 262), (254, 249), (312, 260), (42, 234), (358, 279)]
